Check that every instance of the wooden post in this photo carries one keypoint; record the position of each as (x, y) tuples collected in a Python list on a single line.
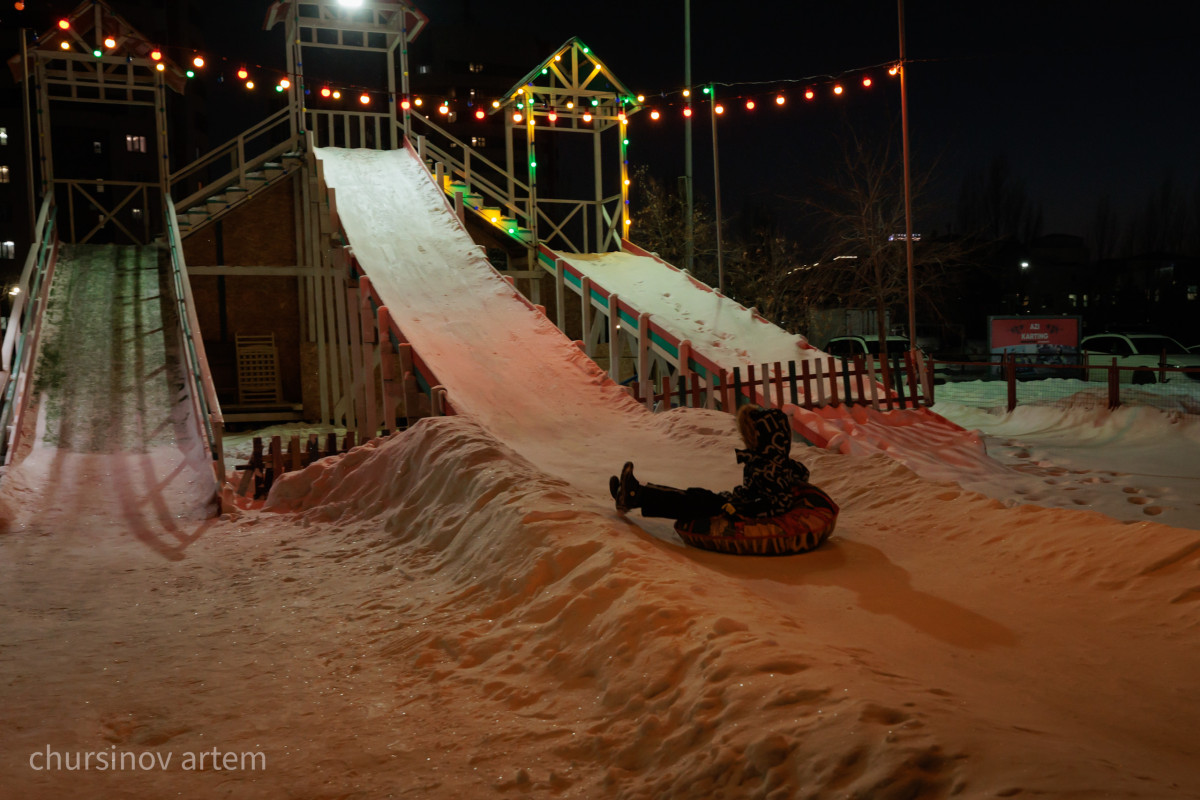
[(294, 454), (277, 456), (369, 421), (737, 390), (914, 383), (750, 384), (1114, 387), (806, 375), (585, 288), (314, 448), (614, 338), (847, 395), (871, 382), (726, 393), (1010, 379), (899, 379), (387, 369), (860, 368), (820, 383), (560, 294), (779, 401), (792, 382), (833, 382), (925, 371)]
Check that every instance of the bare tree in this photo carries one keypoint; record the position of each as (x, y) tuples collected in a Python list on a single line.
[(1104, 231), (994, 205), (863, 261), (660, 218), (1161, 227)]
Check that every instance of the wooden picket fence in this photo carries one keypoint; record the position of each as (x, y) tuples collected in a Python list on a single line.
[(266, 465), (814, 383)]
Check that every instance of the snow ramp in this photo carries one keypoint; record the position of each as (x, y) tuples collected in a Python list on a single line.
[(722, 334), (504, 362), (111, 400)]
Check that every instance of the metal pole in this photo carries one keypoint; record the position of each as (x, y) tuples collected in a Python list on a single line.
[(690, 244), (26, 87), (908, 230), (712, 93)]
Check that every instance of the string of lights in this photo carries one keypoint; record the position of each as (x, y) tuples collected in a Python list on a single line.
[(745, 94)]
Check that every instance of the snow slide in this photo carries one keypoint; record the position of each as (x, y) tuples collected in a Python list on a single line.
[(723, 334), (112, 402)]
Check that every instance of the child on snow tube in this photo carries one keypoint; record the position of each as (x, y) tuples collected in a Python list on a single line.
[(775, 510)]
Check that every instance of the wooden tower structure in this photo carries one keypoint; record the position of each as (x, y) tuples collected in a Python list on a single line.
[(93, 56)]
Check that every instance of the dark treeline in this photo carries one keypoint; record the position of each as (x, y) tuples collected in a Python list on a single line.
[(842, 246)]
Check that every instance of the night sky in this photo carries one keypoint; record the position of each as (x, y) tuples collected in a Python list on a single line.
[(1085, 99)]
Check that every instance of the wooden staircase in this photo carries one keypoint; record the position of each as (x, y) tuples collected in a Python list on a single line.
[(228, 176), (229, 196), (476, 203)]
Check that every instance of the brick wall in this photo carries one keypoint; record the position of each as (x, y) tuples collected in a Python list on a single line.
[(260, 233)]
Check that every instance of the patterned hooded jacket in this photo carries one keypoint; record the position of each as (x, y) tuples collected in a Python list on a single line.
[(770, 477)]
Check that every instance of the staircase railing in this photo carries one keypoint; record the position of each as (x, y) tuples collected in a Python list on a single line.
[(229, 164), (483, 176), (25, 327), (204, 394)]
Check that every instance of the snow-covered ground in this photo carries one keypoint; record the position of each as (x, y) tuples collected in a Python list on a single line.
[(458, 611), (1140, 461)]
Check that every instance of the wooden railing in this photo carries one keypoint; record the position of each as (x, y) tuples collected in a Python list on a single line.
[(462, 163), (20, 347), (363, 129), (229, 164), (206, 409), (812, 383)]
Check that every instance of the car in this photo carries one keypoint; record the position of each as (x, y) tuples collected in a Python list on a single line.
[(851, 346), (1145, 352), (847, 347)]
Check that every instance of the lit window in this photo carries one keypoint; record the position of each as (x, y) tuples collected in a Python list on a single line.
[(478, 141), (97, 148), (137, 214), (1191, 292), (3, 136), (423, 69), (8, 250), (4, 175), (135, 144), (475, 66)]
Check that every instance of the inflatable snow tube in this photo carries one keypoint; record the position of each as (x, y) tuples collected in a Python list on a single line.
[(804, 528)]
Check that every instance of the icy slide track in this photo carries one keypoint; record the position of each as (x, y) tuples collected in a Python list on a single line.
[(112, 404), (516, 373)]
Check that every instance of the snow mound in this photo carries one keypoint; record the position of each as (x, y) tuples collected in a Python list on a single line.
[(546, 604)]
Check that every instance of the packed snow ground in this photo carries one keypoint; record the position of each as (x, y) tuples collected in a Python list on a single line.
[(458, 611)]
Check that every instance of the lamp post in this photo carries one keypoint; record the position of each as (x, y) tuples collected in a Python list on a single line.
[(712, 98), (908, 229), (690, 244)]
